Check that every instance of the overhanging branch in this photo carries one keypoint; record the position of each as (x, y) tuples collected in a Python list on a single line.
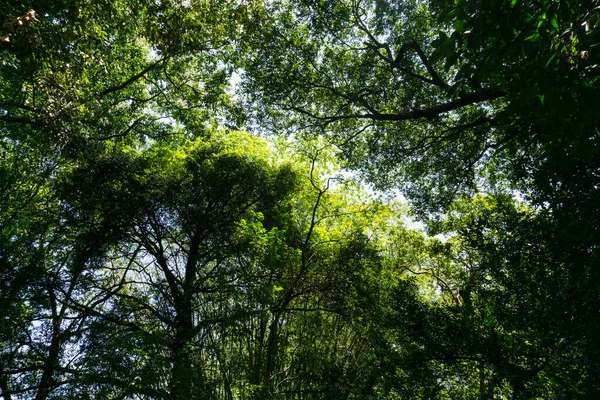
[(430, 112)]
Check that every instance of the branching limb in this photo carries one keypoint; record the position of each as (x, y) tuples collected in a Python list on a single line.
[(429, 112)]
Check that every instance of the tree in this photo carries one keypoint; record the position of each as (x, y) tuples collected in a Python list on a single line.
[(47, 256), (82, 72), (66, 91), (148, 249), (433, 98), (216, 281)]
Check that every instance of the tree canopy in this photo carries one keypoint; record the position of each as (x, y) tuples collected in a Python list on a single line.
[(310, 199)]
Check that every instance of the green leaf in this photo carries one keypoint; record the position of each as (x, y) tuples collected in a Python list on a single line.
[(554, 22)]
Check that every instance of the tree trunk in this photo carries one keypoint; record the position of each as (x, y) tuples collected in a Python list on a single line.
[(486, 386), (47, 381), (272, 347), (183, 384), (4, 384)]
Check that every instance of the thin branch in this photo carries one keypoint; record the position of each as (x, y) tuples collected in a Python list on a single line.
[(435, 77), (120, 134), (131, 80), (441, 282), (18, 120)]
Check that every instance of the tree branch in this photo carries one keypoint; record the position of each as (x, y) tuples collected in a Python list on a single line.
[(431, 112), (435, 77), (131, 80)]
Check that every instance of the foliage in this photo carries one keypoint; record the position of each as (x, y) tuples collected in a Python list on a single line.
[(151, 249)]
